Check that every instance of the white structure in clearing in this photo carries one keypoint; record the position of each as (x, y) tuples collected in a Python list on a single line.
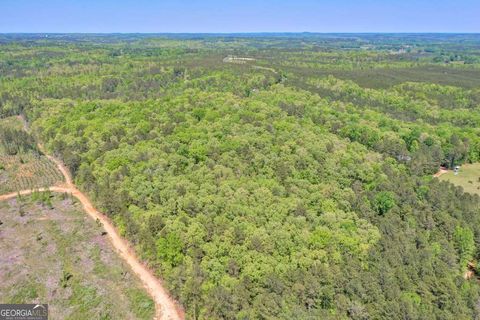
[(235, 59)]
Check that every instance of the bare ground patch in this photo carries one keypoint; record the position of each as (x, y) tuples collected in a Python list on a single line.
[(57, 255)]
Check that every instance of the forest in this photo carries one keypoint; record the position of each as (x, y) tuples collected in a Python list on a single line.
[(269, 176)]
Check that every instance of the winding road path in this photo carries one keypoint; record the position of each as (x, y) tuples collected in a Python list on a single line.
[(166, 308)]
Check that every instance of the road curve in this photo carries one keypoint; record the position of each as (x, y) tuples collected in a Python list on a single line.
[(166, 308)]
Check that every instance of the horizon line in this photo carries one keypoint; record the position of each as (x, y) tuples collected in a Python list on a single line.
[(247, 32)]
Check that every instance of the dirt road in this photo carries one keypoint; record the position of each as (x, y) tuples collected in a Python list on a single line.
[(166, 307), (440, 172)]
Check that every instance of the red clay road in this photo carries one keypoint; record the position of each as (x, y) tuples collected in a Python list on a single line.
[(166, 307)]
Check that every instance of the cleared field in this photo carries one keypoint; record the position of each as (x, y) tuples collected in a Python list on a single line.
[(22, 170), (27, 171), (11, 123), (468, 178), (51, 252)]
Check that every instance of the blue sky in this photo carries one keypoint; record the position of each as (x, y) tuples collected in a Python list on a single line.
[(239, 16)]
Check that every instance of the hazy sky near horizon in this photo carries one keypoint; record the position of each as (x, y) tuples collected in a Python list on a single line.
[(239, 16)]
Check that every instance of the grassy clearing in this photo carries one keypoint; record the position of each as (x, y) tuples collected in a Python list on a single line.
[(468, 178), (57, 255)]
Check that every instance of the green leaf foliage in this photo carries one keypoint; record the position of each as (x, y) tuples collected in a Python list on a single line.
[(293, 186)]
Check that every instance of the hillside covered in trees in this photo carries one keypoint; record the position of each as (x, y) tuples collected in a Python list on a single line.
[(270, 176)]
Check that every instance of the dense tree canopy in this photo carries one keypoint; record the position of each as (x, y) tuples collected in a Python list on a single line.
[(285, 187)]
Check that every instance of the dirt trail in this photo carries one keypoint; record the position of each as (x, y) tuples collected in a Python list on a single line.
[(166, 308), (440, 172)]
